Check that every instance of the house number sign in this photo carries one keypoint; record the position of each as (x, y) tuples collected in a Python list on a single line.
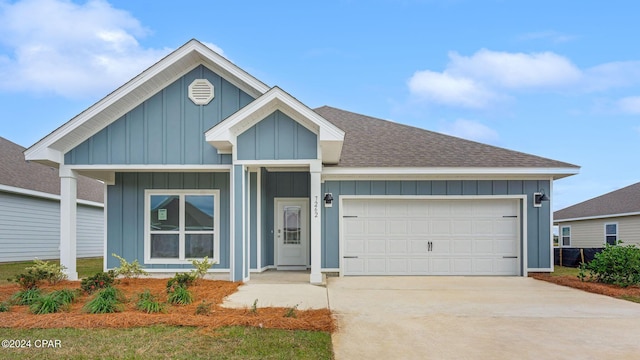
[(315, 207)]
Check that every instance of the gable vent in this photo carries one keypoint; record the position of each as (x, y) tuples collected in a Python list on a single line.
[(201, 91)]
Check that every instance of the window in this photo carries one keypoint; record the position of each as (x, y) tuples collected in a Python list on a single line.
[(565, 235), (611, 233), (181, 225)]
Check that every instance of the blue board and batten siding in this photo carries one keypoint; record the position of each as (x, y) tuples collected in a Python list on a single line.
[(125, 211), (277, 137), (538, 224), (168, 128)]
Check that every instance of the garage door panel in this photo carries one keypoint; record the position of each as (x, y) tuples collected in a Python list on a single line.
[(437, 237)]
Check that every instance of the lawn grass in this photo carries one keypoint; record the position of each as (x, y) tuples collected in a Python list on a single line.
[(166, 342), (85, 267), (565, 271)]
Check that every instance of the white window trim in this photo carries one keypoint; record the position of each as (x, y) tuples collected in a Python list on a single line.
[(181, 193), (560, 242), (616, 234)]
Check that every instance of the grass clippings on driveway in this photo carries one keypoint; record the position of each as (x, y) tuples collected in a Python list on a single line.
[(568, 277), (169, 342)]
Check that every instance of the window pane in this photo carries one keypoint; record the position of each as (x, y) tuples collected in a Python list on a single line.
[(612, 240), (165, 246), (198, 245), (566, 231), (611, 229), (292, 224), (165, 212), (566, 241), (198, 212)]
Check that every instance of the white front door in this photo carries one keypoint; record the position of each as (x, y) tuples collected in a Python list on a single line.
[(292, 233)]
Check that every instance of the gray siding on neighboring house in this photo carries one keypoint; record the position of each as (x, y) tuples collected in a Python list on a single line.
[(590, 233), (166, 129), (277, 137), (30, 228), (126, 212), (538, 223)]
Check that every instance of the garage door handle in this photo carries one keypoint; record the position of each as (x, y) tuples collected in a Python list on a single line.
[(509, 257), (349, 257)]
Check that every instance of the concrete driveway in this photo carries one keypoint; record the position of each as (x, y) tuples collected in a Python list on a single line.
[(478, 318)]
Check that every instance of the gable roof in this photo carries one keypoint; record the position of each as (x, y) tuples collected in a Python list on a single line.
[(19, 174), (224, 134), (50, 150), (625, 201), (375, 142)]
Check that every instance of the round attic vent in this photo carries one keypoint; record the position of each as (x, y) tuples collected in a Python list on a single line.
[(201, 91)]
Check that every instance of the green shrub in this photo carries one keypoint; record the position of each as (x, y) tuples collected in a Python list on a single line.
[(616, 264), (129, 270), (183, 280), (26, 297), (180, 296), (148, 303), (44, 270), (4, 307), (201, 267), (204, 308), (28, 280), (46, 304), (66, 296), (98, 281), (291, 312), (107, 300)]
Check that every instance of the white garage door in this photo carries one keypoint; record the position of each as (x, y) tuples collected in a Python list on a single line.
[(431, 237)]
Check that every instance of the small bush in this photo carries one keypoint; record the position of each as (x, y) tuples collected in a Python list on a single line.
[(183, 280), (291, 312), (44, 270), (66, 296), (98, 281), (180, 296), (28, 280), (129, 270), (254, 307), (616, 264), (4, 307), (27, 296), (148, 303), (47, 304), (107, 300), (204, 308), (201, 267)]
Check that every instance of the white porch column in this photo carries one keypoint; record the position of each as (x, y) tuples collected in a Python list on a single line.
[(316, 225), (68, 218)]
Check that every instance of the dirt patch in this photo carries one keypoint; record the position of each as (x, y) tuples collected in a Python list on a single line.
[(598, 288), (211, 291)]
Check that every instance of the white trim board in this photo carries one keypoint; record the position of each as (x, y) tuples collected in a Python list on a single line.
[(596, 217), (471, 173)]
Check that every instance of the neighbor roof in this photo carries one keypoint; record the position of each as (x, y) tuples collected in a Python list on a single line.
[(622, 201), (17, 172), (372, 142)]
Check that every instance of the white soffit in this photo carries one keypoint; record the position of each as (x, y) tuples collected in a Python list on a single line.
[(223, 136), (51, 148)]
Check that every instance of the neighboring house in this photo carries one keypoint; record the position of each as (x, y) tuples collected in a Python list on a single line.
[(30, 209), (203, 159), (602, 220)]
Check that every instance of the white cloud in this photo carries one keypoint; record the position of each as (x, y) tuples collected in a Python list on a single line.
[(630, 105), (69, 49), (471, 130), (449, 90), (612, 75), (214, 47), (553, 36), (486, 76)]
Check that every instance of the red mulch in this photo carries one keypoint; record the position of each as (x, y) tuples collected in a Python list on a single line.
[(211, 291), (598, 288)]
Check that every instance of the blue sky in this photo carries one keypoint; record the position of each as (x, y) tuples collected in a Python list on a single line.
[(559, 79)]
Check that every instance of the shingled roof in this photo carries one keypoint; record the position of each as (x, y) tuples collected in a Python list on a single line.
[(622, 201), (16, 172), (372, 142)]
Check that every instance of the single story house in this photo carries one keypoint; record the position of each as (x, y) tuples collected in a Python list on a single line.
[(30, 211), (605, 219), (200, 158)]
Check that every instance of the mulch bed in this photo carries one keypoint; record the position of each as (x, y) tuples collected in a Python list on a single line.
[(598, 288), (211, 291)]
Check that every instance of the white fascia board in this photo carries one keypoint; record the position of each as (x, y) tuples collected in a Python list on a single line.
[(44, 195), (151, 168), (595, 217), (455, 171), (42, 149)]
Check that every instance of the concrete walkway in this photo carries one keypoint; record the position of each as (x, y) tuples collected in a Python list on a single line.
[(478, 318)]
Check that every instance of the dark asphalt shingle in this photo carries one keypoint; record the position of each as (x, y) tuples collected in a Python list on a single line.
[(622, 201)]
